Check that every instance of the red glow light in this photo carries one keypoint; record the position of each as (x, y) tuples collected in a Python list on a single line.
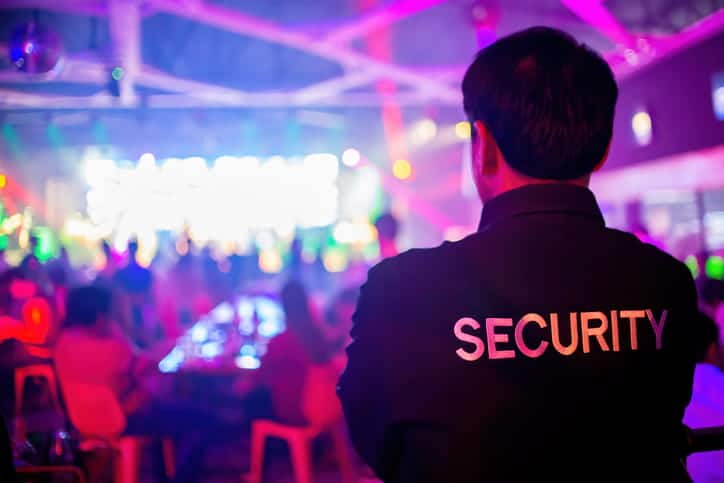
[(37, 315), (22, 289)]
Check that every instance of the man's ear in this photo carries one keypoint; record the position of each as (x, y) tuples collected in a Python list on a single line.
[(488, 149), (603, 159)]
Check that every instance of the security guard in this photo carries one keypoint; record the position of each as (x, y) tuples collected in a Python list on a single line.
[(544, 347)]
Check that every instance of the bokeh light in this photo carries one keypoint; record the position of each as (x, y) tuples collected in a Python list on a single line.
[(714, 268), (334, 260), (642, 128), (462, 130), (351, 157), (402, 169), (423, 131), (117, 73), (270, 261)]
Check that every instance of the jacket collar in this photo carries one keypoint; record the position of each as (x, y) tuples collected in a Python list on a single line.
[(541, 198)]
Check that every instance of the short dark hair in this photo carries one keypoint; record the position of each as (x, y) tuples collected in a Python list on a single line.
[(85, 304), (547, 100)]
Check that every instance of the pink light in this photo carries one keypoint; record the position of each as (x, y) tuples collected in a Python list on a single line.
[(378, 18), (597, 16), (379, 47)]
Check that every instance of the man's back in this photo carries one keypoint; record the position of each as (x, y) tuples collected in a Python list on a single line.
[(545, 346)]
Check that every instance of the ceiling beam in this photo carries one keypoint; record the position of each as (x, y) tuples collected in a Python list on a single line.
[(595, 14), (662, 48), (17, 100), (237, 22), (333, 87), (378, 18)]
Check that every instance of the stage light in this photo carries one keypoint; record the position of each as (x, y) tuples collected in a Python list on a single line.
[(423, 131), (147, 158), (37, 317), (247, 362), (718, 100), (334, 260), (402, 169), (195, 169), (35, 48), (632, 58), (348, 232), (714, 268), (99, 171), (322, 166), (270, 261), (117, 73), (462, 130), (642, 128), (351, 157)]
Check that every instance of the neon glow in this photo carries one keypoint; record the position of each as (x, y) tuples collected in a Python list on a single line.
[(351, 157), (462, 130), (641, 126), (402, 169), (278, 194)]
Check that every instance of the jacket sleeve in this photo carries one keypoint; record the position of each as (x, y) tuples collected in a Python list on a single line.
[(367, 385)]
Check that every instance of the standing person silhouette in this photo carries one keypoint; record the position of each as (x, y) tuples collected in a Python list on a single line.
[(545, 346)]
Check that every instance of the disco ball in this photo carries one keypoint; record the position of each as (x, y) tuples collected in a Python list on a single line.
[(35, 48)]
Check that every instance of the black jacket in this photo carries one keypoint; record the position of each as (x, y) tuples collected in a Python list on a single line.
[(544, 347)]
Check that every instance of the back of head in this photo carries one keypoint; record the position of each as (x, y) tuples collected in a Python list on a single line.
[(547, 100), (132, 250), (86, 305)]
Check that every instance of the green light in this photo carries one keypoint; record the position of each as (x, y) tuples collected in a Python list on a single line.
[(100, 134), (3, 242), (714, 268), (54, 135), (12, 140), (47, 244), (117, 73), (693, 265)]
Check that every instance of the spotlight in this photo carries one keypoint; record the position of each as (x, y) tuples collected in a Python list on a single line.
[(642, 128), (351, 157), (35, 48), (462, 130), (423, 131), (402, 169)]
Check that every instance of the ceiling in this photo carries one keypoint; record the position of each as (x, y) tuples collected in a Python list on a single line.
[(261, 76), (287, 53)]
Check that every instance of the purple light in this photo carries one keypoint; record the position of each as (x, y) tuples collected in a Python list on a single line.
[(29, 48)]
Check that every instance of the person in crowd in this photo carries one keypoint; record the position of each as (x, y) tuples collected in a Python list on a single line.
[(4, 265), (544, 346), (339, 317), (387, 227), (707, 402), (110, 265), (135, 287), (291, 355), (183, 296), (92, 351)]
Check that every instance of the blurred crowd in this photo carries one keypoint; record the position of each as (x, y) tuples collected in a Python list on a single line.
[(106, 331)]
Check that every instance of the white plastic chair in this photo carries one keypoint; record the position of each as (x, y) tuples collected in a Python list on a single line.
[(322, 409)]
